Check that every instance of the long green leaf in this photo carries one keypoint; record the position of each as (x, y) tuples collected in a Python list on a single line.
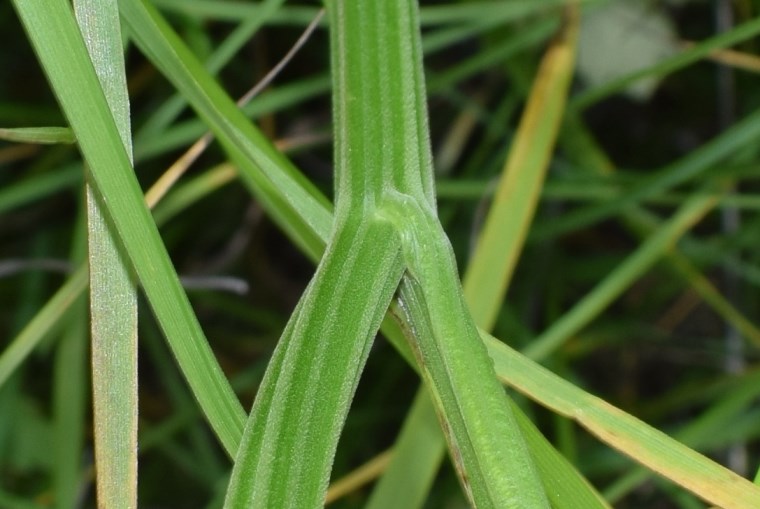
[(171, 108), (506, 227), (294, 203), (42, 325), (722, 415), (624, 432), (52, 30)]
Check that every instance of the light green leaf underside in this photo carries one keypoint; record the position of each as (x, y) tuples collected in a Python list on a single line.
[(113, 293)]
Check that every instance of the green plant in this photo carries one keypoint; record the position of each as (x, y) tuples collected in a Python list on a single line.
[(383, 255)]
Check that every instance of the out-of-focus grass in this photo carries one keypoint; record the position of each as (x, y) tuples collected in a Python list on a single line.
[(656, 351)]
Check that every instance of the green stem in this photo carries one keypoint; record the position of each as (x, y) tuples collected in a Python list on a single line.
[(288, 444), (487, 447)]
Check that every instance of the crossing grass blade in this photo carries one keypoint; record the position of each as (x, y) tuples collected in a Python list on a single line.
[(514, 203), (701, 433), (294, 203), (52, 30), (168, 112), (45, 322), (635, 439)]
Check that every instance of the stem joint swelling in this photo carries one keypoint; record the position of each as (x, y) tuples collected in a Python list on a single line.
[(418, 227), (487, 448)]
